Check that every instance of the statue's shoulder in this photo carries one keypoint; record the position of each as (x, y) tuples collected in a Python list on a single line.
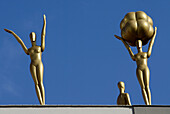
[(140, 53), (34, 49), (127, 94)]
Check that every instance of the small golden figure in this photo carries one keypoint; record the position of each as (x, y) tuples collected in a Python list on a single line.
[(123, 98), (36, 66), (142, 71)]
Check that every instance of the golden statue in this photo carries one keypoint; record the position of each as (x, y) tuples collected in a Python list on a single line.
[(142, 71), (36, 66), (123, 98)]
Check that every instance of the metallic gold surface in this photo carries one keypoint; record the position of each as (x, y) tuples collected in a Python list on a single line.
[(36, 66), (136, 26), (142, 71), (123, 98)]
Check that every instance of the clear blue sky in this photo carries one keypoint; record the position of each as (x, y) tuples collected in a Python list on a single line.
[(82, 59)]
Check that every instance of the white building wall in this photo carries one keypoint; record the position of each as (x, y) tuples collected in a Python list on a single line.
[(65, 110), (49, 109)]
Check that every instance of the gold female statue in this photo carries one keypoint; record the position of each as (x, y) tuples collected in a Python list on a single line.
[(36, 66), (142, 71)]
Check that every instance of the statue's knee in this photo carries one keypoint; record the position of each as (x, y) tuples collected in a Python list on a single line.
[(147, 87), (143, 87), (36, 83), (41, 84)]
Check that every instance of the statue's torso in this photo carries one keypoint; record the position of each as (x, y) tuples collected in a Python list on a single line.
[(141, 60), (122, 99), (35, 54)]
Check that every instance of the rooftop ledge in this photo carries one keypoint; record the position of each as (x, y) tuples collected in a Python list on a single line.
[(84, 109), (90, 105)]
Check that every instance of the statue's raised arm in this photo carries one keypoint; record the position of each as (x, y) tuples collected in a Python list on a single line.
[(43, 35), (151, 43), (19, 40), (127, 47)]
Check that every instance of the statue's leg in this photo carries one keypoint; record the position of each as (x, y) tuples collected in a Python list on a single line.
[(40, 71), (139, 74), (33, 73), (146, 77)]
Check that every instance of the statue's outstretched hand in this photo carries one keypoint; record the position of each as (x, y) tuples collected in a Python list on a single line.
[(118, 37), (155, 32), (9, 31), (44, 18)]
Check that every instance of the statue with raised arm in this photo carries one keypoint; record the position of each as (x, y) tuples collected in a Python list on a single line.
[(137, 30), (123, 98), (36, 66)]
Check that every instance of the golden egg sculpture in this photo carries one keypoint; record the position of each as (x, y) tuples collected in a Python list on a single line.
[(136, 26)]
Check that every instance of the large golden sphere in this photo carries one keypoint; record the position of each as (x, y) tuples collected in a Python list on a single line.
[(136, 26)]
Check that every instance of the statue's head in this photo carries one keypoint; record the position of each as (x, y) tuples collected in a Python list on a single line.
[(121, 85), (32, 36)]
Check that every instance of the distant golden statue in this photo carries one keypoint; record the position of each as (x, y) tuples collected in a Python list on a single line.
[(123, 98), (136, 31), (36, 66)]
